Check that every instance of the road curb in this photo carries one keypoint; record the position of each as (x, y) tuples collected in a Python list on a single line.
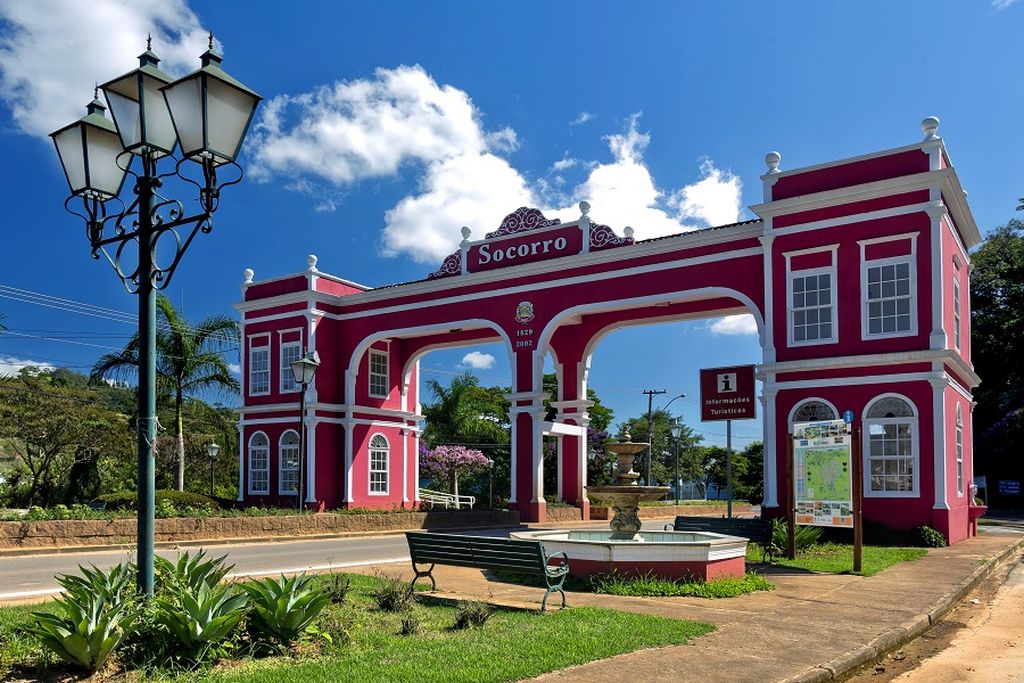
[(836, 669)]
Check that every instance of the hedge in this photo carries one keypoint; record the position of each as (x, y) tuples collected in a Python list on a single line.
[(180, 499)]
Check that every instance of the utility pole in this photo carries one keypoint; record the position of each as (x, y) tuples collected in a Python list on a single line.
[(650, 393)]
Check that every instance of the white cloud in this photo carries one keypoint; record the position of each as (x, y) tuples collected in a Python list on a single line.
[(9, 365), (740, 324), (52, 52), (376, 127), (478, 361), (582, 118), (1000, 5), (235, 368)]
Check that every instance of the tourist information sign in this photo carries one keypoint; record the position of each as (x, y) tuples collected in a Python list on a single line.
[(823, 473)]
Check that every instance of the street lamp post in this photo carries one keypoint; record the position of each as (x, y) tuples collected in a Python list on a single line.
[(207, 114), (676, 431), (490, 483), (304, 369), (651, 393), (211, 450)]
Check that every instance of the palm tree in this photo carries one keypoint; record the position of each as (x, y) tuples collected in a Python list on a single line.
[(188, 361)]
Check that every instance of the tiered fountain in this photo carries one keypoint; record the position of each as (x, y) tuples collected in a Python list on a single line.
[(628, 551)]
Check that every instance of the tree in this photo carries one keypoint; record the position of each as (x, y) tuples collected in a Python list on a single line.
[(446, 463), (188, 362), (997, 338), (662, 447), (55, 431)]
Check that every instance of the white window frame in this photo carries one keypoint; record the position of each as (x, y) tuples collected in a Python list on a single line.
[(281, 490), (252, 351), (866, 263), (829, 270), (915, 447), (265, 469), (286, 375), (370, 373), (956, 309), (370, 471), (809, 399), (959, 451)]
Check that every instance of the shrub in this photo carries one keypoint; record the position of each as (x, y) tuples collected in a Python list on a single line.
[(179, 499), (97, 613), (410, 625), (394, 594), (338, 587), (928, 537), (283, 608), (471, 614), (804, 535), (649, 585), (190, 572), (201, 619)]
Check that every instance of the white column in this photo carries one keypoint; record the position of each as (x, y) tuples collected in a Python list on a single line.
[(348, 424), (938, 442), (241, 459), (405, 465), (937, 337), (771, 477), (310, 420)]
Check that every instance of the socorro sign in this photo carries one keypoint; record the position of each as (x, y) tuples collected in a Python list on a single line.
[(537, 245)]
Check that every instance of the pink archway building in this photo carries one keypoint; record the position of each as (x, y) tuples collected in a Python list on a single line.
[(856, 271)]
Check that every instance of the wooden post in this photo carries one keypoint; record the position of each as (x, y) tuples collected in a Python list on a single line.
[(858, 501), (790, 500)]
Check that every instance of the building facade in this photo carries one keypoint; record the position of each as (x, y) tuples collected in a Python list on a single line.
[(856, 272)]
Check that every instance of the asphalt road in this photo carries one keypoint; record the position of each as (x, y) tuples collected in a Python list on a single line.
[(27, 576)]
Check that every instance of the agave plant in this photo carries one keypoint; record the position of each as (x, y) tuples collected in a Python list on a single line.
[(201, 616), (94, 616), (283, 608), (190, 572)]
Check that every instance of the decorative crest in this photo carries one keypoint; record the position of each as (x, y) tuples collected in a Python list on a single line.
[(523, 219)]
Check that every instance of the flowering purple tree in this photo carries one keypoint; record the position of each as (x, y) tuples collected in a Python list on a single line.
[(446, 463)]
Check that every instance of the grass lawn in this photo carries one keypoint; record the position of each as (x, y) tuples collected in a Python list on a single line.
[(837, 558), (652, 586), (367, 645)]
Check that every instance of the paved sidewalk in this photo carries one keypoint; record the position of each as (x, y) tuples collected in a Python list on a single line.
[(812, 627)]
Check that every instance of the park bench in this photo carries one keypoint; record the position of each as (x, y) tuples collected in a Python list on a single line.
[(521, 557), (753, 529)]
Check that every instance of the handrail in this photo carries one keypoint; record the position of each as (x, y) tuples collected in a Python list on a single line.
[(448, 500)]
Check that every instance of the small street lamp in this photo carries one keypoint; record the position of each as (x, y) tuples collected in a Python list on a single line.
[(304, 368), (211, 450), (676, 429), (651, 393), (207, 113), (490, 483)]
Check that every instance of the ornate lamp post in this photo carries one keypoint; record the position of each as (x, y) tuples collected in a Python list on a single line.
[(651, 393), (211, 450), (676, 431), (207, 113), (490, 484), (304, 369)]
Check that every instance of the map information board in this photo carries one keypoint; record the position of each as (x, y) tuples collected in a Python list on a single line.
[(823, 473)]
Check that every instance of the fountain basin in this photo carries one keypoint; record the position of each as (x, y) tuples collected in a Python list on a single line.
[(689, 555)]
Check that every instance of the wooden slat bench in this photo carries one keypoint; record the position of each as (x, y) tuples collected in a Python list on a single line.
[(524, 557), (757, 530)]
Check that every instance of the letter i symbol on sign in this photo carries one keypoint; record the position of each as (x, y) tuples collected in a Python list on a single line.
[(727, 383)]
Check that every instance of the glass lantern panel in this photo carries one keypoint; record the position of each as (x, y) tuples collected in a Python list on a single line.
[(125, 110), (229, 110), (69, 149), (186, 110), (103, 148), (159, 127)]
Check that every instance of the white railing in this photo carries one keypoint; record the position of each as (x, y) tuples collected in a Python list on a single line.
[(445, 500)]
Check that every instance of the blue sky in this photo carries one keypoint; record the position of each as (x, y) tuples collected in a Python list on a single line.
[(389, 125)]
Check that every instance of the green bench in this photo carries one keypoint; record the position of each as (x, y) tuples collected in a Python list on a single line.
[(753, 529), (522, 557)]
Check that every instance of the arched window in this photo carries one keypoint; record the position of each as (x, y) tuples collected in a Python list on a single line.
[(288, 453), (813, 410), (959, 451), (891, 447), (259, 464), (379, 464)]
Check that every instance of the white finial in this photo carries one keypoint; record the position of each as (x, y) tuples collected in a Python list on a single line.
[(930, 127), (247, 274), (628, 232), (311, 262), (584, 208), (772, 159), (466, 232)]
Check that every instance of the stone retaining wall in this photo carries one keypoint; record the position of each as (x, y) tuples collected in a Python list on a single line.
[(566, 514), (90, 532), (655, 511)]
